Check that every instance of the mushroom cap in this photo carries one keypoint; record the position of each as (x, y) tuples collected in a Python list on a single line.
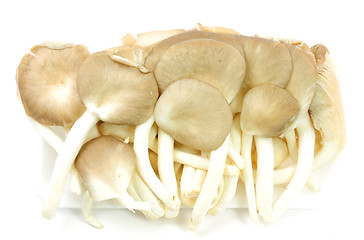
[(266, 62), (159, 49), (224, 30), (266, 110), (211, 61), (106, 165), (117, 93), (194, 113), (47, 82), (302, 84)]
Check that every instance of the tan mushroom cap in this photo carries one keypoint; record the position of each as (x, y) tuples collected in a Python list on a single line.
[(160, 48), (214, 62), (326, 108), (216, 29), (267, 62), (194, 113), (266, 110), (117, 93), (106, 165), (302, 84), (47, 83)]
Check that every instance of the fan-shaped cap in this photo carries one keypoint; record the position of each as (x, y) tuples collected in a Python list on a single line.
[(47, 82), (194, 113), (159, 49), (267, 62), (106, 165), (266, 110), (214, 62), (117, 93)]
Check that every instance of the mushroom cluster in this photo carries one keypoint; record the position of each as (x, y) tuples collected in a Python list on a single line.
[(173, 118)]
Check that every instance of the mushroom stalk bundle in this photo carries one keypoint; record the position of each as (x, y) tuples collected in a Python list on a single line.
[(178, 117)]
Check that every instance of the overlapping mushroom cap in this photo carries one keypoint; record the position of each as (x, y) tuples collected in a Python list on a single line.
[(47, 82)]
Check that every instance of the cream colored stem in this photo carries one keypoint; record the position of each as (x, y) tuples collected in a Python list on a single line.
[(210, 185), (292, 144), (199, 162), (71, 147), (306, 136), (166, 169), (247, 176), (197, 181), (264, 178), (147, 213), (230, 184), (236, 157), (186, 180), (127, 201), (144, 167), (86, 211), (147, 195)]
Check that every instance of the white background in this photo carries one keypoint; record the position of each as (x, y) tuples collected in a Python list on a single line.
[(335, 212)]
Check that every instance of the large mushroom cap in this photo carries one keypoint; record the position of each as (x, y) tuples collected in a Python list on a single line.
[(266, 110), (159, 49), (105, 165), (118, 93), (211, 61), (194, 113), (47, 83)]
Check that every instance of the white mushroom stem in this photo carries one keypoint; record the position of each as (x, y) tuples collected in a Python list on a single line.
[(199, 162), (186, 180), (128, 201), (197, 181), (86, 211), (210, 185), (236, 157), (144, 167), (230, 184), (247, 176), (264, 178), (147, 195), (218, 195), (166, 168), (75, 181), (292, 144), (147, 213), (71, 147), (306, 140)]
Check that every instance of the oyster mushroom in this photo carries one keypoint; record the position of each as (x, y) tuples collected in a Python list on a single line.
[(109, 95), (106, 166)]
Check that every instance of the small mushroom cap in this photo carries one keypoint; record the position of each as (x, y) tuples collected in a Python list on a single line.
[(194, 113), (47, 83), (118, 93), (106, 165), (124, 132), (216, 29), (159, 49), (214, 62), (267, 62), (266, 110)]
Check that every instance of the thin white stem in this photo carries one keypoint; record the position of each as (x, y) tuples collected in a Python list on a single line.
[(71, 147), (128, 201), (292, 144), (218, 195), (210, 185), (247, 176), (186, 181), (236, 157), (306, 140), (144, 167), (48, 135), (264, 178), (147, 195), (230, 184), (166, 169), (197, 181), (86, 211), (199, 162), (75, 181)]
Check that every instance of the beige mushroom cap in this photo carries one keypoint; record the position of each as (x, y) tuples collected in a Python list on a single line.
[(194, 113), (267, 62), (159, 49), (266, 110), (106, 165), (211, 61), (117, 93), (47, 83)]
